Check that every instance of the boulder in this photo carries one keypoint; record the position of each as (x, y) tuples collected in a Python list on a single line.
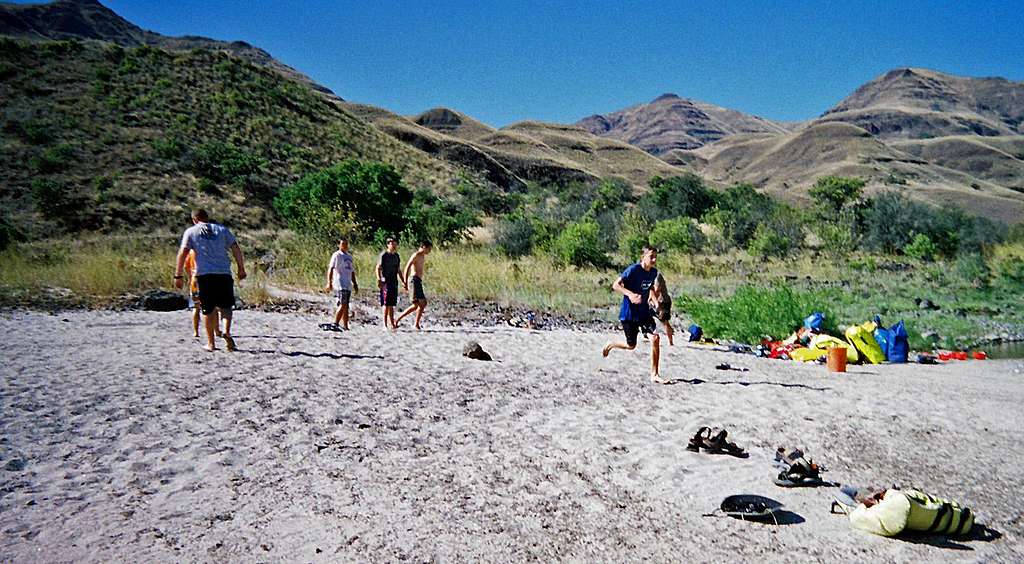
[(475, 351), (159, 300)]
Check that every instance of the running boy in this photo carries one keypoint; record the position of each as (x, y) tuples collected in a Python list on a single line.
[(389, 266), (636, 284), (341, 280), (417, 264)]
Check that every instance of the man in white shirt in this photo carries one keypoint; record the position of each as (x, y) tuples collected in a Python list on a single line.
[(341, 280), (211, 242)]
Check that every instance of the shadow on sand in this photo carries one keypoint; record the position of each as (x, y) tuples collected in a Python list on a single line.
[(695, 381), (981, 533), (335, 356)]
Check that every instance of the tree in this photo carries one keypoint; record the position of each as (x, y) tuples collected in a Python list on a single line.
[(677, 196), (372, 194), (833, 193)]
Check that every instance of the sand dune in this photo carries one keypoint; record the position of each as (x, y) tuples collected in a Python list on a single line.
[(123, 440)]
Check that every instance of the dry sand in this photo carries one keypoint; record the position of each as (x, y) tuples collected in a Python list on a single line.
[(123, 440)]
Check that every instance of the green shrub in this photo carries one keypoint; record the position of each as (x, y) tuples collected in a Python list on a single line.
[(371, 194), (833, 193), (54, 200), (1015, 234), (972, 270), (513, 236), (677, 196), (580, 245), (839, 238), (738, 213), (891, 221), (54, 159), (225, 162), (921, 247), (680, 234), (779, 233), (487, 200), (752, 314), (1011, 270), (437, 219), (634, 233), (168, 147), (36, 132)]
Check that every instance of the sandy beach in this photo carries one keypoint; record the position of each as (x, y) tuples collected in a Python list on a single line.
[(122, 440)]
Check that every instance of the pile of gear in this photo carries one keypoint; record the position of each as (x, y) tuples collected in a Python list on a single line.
[(869, 342)]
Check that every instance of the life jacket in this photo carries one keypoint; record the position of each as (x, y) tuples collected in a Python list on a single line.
[(913, 510), (862, 337)]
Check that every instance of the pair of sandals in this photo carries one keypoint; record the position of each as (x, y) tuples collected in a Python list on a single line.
[(797, 470), (330, 327), (713, 441)]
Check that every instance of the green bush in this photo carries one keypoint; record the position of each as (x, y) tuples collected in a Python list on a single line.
[(1011, 270), (891, 221), (168, 147), (55, 200), (225, 162), (487, 200), (738, 213), (838, 238), (677, 196), (778, 234), (680, 234), (921, 247), (437, 219), (513, 236), (833, 193), (752, 314), (634, 233), (580, 245), (373, 193), (1015, 234), (972, 270), (54, 159)]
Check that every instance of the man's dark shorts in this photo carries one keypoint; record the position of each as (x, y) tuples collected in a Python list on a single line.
[(216, 290), (417, 290), (389, 295), (633, 328)]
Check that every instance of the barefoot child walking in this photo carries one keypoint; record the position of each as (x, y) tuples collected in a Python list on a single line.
[(341, 280), (416, 264), (636, 284)]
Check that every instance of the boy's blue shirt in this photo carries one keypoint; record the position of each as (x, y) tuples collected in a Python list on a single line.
[(636, 279)]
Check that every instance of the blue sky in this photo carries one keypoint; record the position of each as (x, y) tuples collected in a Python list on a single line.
[(561, 61)]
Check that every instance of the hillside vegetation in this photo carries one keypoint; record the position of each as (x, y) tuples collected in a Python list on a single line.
[(96, 136)]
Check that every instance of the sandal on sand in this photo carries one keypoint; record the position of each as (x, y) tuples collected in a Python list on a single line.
[(715, 444), (330, 327), (802, 473)]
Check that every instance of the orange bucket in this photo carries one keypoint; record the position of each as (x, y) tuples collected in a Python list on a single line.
[(836, 359)]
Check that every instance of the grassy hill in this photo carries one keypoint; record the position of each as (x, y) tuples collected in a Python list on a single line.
[(96, 136), (787, 166)]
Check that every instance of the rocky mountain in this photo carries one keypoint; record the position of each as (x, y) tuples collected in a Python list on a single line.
[(912, 103), (88, 19), (670, 122)]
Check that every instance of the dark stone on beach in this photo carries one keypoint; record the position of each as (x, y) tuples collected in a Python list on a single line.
[(16, 465), (159, 300), (475, 351)]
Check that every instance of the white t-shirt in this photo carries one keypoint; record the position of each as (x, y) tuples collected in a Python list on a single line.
[(343, 268), (211, 242)]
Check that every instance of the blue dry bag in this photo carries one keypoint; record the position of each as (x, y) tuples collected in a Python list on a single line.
[(898, 345), (695, 333), (814, 321)]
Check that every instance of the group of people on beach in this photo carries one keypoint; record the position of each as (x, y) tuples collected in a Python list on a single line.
[(204, 258), (341, 281)]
